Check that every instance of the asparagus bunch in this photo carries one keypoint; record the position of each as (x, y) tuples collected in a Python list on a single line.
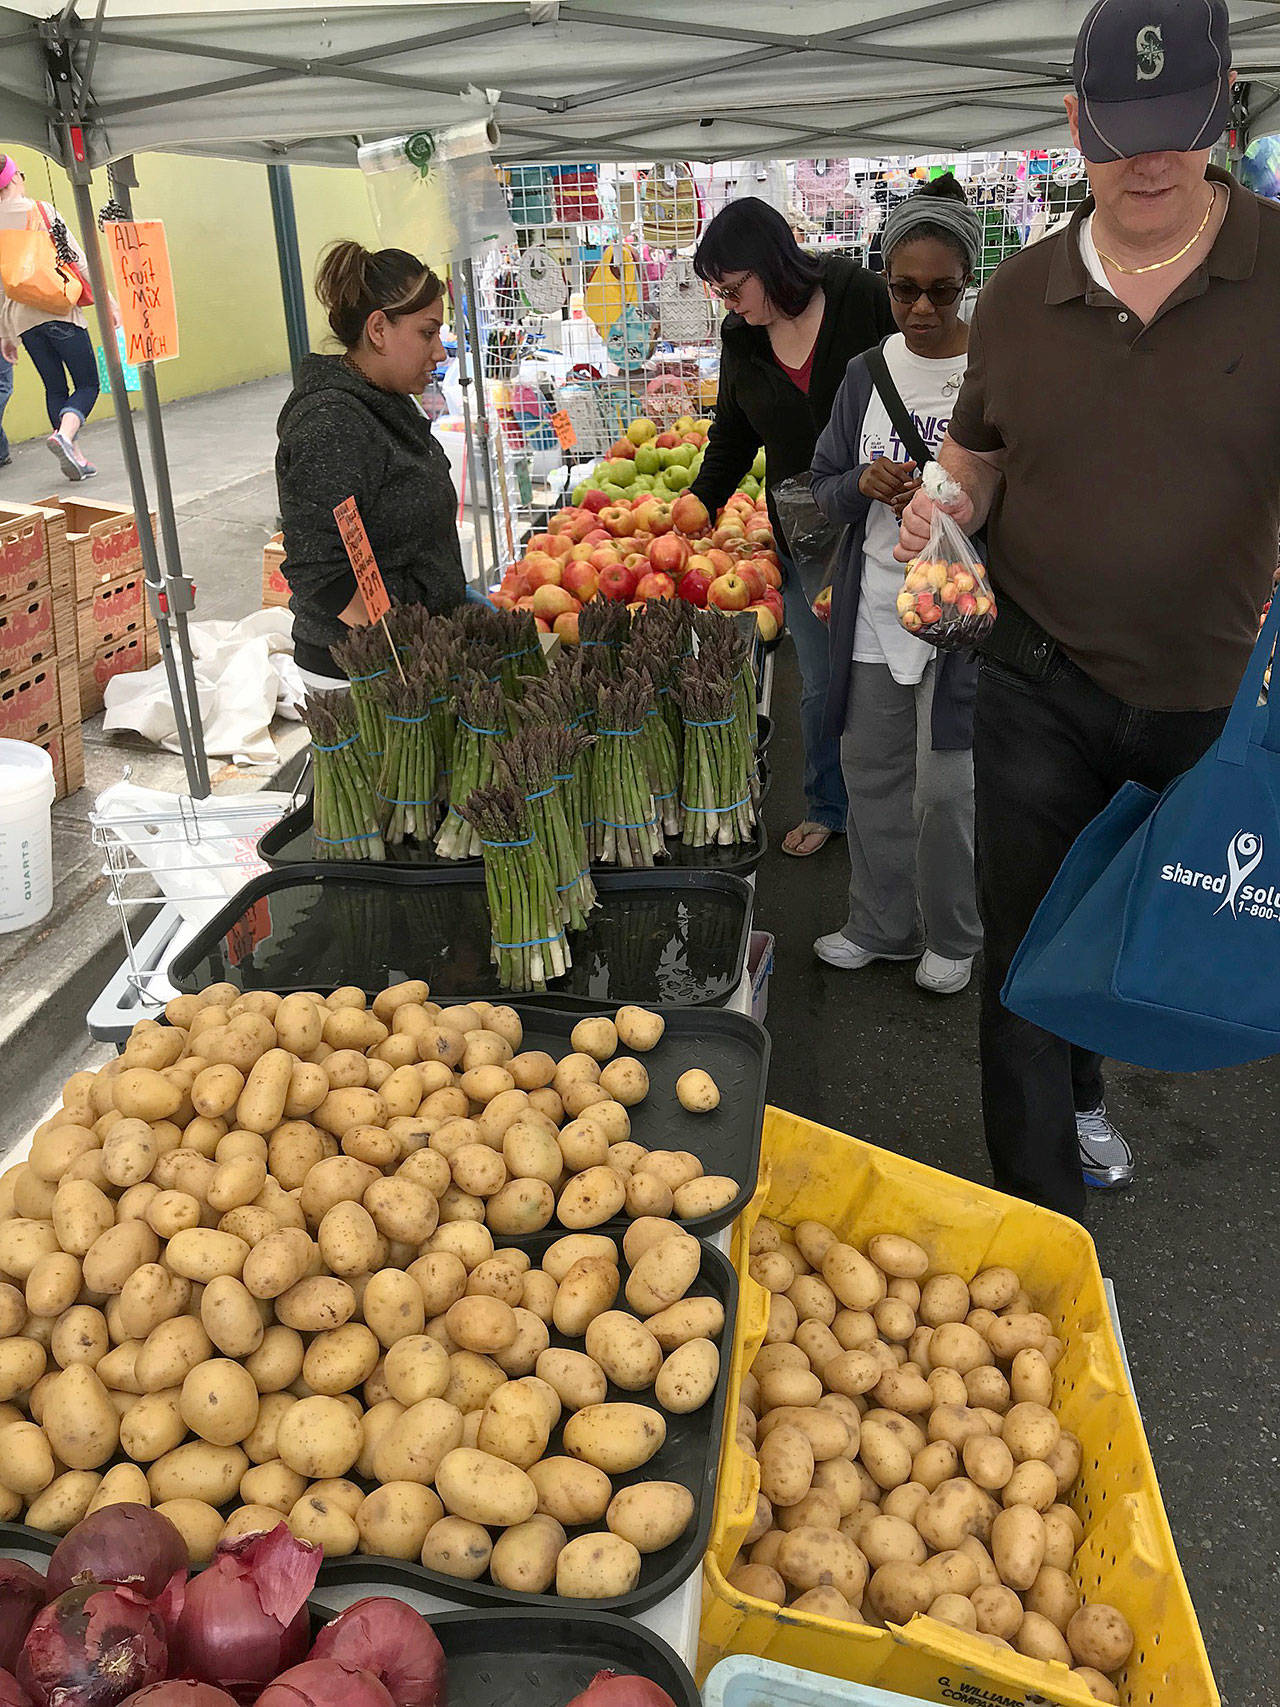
[(726, 650), (409, 779), (364, 659), (345, 818), (436, 661), (626, 830), (410, 627), (604, 626), (481, 725), (521, 658), (528, 941), (531, 762), (716, 796), (560, 701)]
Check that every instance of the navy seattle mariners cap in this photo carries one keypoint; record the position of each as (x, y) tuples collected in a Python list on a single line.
[(1151, 76)]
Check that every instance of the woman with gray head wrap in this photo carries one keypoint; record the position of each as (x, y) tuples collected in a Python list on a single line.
[(904, 712), (937, 209)]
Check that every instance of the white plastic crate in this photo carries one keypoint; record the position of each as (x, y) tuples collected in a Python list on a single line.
[(744, 1681)]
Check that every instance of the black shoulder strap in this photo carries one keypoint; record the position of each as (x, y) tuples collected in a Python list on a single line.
[(906, 429)]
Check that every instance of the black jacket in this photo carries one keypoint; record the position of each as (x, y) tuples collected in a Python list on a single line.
[(341, 437), (836, 473), (757, 403)]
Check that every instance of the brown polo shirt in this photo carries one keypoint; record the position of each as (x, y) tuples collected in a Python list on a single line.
[(1138, 517)]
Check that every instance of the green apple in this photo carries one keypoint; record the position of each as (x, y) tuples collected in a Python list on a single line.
[(757, 467), (643, 483), (682, 456), (614, 493), (621, 470), (677, 476), (648, 459), (664, 456), (751, 486), (580, 491)]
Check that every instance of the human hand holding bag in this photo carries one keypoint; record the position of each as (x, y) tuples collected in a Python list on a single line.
[(1159, 941)]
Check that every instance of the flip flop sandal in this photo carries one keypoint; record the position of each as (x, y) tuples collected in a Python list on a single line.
[(806, 832)]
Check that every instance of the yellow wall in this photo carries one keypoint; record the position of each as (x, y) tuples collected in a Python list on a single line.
[(217, 218)]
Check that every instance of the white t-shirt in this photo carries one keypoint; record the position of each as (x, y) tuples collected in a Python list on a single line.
[(1090, 256), (929, 386)]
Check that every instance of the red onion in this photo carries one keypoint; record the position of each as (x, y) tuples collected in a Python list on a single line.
[(324, 1683), (607, 1689), (120, 1544), (392, 1641), (22, 1593), (181, 1692), (245, 1616), (92, 1647), (11, 1693)]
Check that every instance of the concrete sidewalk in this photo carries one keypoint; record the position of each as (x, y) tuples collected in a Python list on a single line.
[(221, 449)]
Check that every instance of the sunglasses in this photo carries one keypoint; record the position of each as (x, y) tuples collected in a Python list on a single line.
[(730, 294), (940, 295)]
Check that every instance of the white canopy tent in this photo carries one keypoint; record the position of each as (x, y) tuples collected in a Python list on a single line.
[(92, 82)]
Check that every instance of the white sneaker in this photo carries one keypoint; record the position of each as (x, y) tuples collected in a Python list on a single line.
[(837, 950), (940, 976)]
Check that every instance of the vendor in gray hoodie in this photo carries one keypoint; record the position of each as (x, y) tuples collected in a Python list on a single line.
[(353, 428)]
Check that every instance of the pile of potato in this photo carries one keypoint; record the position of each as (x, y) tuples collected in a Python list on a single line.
[(249, 1270), (910, 1459)]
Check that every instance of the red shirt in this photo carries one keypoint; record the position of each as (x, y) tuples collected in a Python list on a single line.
[(799, 376)]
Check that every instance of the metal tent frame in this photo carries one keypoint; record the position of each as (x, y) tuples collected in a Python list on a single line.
[(93, 82)]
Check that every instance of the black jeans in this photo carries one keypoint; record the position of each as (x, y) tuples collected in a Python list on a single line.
[(58, 349), (1048, 755)]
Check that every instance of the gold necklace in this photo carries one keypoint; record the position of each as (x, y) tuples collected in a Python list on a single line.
[(1155, 266)]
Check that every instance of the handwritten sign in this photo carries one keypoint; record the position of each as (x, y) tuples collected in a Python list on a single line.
[(144, 288), (563, 427), (373, 589)]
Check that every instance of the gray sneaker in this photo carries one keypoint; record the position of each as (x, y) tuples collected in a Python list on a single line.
[(1106, 1159)]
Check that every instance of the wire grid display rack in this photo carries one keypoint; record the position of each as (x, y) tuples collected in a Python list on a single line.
[(592, 341), (194, 854)]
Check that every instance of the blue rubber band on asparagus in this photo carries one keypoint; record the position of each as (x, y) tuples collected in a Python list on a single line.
[(341, 841), (732, 807), (341, 744), (533, 942), (527, 842)]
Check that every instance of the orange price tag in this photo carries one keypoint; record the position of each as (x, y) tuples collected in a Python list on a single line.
[(564, 429), (144, 288), (373, 589), (248, 931)]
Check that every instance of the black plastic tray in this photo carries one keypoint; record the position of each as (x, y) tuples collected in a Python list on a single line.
[(689, 1455), (658, 937), (734, 1050), (500, 1656), (290, 843)]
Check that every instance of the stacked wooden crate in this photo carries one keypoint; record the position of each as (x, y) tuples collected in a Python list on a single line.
[(115, 628), (39, 681)]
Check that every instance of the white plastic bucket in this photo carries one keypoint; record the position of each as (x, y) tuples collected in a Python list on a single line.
[(26, 834)]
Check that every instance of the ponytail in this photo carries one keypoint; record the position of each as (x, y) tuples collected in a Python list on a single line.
[(354, 282)]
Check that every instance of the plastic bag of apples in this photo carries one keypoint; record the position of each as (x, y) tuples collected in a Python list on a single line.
[(946, 598)]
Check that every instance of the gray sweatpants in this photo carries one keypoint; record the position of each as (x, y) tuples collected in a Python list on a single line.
[(910, 828)]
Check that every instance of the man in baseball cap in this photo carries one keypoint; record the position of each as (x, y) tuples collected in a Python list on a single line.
[(1114, 371), (1152, 77)]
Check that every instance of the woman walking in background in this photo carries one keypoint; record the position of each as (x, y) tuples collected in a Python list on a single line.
[(794, 323), (902, 711), (352, 428), (59, 344)]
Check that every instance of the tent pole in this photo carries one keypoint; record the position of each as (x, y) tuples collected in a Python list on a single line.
[(470, 475), (180, 595), (197, 777), (284, 218), (482, 416)]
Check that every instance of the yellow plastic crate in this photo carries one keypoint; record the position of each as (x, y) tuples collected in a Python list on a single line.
[(812, 1173)]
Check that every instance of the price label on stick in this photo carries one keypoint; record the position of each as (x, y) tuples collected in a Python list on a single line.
[(564, 429), (364, 565)]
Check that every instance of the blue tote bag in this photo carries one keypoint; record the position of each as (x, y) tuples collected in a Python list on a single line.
[(1159, 942)]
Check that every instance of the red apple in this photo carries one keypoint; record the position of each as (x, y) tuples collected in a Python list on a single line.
[(758, 535), (719, 560), (551, 601), (738, 504), (543, 571), (729, 592), (582, 579), (703, 564), (766, 622), (773, 600), (822, 606), (729, 531), (597, 536), (655, 586), (656, 516), (602, 557), (574, 523), (525, 603), (581, 552), (621, 448), (753, 580), (618, 583), (566, 626), (769, 569), (515, 583), (595, 500), (693, 587), (669, 553), (619, 520), (502, 601), (542, 625), (689, 514), (690, 439), (636, 560), (667, 441)]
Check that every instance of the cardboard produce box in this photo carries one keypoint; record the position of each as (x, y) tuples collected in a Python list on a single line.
[(113, 659), (65, 748), (36, 702), (116, 608), (103, 541), (35, 628), (24, 551)]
